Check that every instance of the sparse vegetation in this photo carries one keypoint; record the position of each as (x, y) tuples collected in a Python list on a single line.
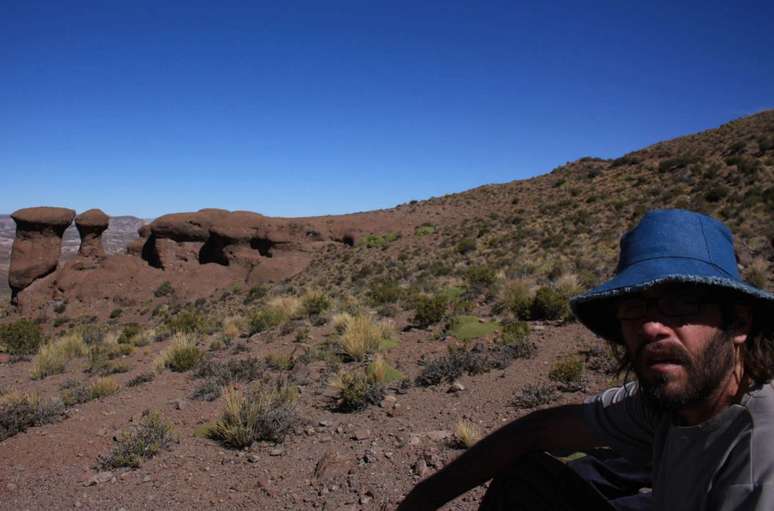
[(22, 337), (263, 412), (181, 356), (53, 357), (534, 395), (549, 304), (429, 310), (568, 373), (466, 434), (165, 289), (144, 441), (18, 412), (363, 335), (467, 328)]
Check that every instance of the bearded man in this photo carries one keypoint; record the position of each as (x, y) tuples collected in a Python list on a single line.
[(697, 425)]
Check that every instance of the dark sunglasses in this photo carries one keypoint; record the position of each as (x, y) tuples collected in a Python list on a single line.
[(673, 306)]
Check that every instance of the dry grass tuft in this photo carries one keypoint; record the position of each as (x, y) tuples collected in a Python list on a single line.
[(181, 356), (466, 434), (363, 335), (53, 357)]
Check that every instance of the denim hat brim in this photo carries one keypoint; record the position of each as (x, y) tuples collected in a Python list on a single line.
[(594, 308)]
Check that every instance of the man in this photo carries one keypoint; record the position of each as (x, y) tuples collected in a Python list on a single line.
[(699, 418)]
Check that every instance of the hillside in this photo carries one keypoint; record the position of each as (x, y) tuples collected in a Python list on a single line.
[(370, 358)]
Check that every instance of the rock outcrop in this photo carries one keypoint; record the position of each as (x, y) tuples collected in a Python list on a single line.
[(37, 245), (91, 224)]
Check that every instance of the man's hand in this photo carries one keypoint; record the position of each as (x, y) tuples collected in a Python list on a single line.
[(562, 427)]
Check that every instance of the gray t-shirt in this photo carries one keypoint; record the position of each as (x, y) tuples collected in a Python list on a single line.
[(723, 464)]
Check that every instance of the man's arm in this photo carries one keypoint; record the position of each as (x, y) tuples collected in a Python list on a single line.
[(561, 427)]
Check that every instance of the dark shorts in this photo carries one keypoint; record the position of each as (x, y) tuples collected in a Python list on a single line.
[(541, 482)]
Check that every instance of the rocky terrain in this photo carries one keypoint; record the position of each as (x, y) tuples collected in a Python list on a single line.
[(231, 361)]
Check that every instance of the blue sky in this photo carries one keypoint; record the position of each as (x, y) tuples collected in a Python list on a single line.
[(309, 108)]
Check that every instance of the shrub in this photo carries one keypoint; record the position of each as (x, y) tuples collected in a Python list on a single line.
[(165, 289), (532, 396), (466, 434), (264, 319), (516, 297), (141, 378), (315, 302), (424, 230), (129, 332), (265, 412), (21, 411), (187, 321), (549, 304), (75, 392), (181, 356), (280, 361), (232, 327), (254, 294), (132, 447), (466, 245), (22, 337), (601, 359), (363, 335), (103, 387), (451, 366), (53, 357), (207, 391), (356, 390), (384, 291), (429, 310), (568, 373), (480, 276), (516, 336)]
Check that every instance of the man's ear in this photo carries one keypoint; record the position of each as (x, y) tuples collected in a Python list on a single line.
[(742, 324)]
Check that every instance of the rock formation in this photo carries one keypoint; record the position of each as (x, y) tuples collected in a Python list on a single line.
[(91, 224), (35, 251)]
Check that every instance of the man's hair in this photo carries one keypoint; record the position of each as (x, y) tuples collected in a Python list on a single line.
[(757, 351)]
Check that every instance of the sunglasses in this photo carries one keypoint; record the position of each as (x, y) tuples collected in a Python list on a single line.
[(673, 306)]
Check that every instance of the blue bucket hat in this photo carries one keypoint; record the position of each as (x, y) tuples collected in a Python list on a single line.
[(668, 245)]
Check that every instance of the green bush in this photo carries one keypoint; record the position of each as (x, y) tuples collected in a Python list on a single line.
[(265, 318), (315, 303), (384, 291), (356, 391), (517, 299), (516, 336), (145, 441), (480, 276), (22, 337), (429, 310), (549, 304), (256, 293), (568, 373), (165, 289), (129, 332), (424, 230), (466, 245), (188, 321)]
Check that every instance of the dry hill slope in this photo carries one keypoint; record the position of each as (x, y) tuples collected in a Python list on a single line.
[(369, 358)]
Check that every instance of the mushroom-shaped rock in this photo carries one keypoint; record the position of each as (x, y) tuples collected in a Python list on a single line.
[(37, 245), (91, 224)]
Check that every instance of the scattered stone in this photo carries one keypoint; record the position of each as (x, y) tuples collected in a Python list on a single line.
[(99, 478), (361, 434), (11, 486), (179, 404), (414, 440), (325, 423), (456, 387), (253, 458), (420, 467), (277, 451), (438, 436), (147, 479)]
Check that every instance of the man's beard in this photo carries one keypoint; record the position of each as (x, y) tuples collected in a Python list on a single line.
[(704, 374)]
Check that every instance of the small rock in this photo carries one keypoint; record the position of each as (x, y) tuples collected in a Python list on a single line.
[(11, 486), (456, 387), (101, 477), (361, 434), (252, 458), (309, 431), (325, 423), (179, 404), (147, 479), (277, 451), (420, 467), (364, 499), (438, 436)]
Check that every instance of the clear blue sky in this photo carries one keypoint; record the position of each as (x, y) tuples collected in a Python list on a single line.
[(304, 108)]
